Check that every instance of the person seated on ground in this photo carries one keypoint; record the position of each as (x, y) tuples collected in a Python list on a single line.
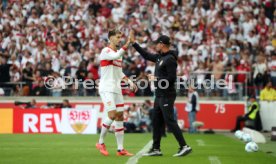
[(268, 93), (66, 104), (250, 115), (29, 105)]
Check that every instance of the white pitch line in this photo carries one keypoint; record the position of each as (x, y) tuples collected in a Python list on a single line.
[(134, 159), (214, 160), (200, 142)]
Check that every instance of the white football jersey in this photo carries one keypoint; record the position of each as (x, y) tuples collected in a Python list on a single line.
[(111, 70)]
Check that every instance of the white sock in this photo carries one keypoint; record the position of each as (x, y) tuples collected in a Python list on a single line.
[(105, 126), (119, 133)]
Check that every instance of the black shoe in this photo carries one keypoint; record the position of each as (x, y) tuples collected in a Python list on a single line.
[(183, 151), (153, 152)]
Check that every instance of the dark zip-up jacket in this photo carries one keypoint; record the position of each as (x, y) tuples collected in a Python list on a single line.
[(165, 69)]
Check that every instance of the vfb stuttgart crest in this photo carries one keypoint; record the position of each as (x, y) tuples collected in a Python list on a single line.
[(79, 119)]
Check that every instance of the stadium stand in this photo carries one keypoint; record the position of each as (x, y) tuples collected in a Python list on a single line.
[(57, 38)]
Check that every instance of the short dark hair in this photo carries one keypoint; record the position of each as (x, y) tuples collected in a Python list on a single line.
[(113, 32)]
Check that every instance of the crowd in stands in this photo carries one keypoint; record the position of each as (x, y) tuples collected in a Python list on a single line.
[(58, 38)]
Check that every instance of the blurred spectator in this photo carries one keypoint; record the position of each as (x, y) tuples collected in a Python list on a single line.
[(48, 71), (81, 75), (145, 111), (91, 89), (4, 71), (230, 88), (145, 88), (218, 68), (57, 84), (192, 107), (268, 93), (200, 77), (133, 122), (28, 78), (14, 74), (40, 89), (93, 68), (27, 105), (272, 68), (66, 104), (6, 76), (242, 69), (260, 73)]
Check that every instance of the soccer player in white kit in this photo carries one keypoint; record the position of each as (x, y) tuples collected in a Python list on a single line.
[(111, 92)]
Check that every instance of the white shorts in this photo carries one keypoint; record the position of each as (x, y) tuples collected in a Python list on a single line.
[(112, 101)]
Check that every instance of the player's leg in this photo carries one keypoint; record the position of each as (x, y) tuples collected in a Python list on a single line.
[(192, 119), (110, 107), (106, 125), (166, 105), (119, 126), (157, 125), (239, 120)]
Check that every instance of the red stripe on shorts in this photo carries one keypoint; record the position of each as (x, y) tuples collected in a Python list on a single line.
[(106, 126), (119, 105), (118, 130)]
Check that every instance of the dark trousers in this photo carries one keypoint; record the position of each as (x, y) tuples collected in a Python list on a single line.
[(163, 113), (239, 120)]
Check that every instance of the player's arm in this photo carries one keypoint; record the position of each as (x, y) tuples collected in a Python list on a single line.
[(132, 85), (144, 53), (108, 54)]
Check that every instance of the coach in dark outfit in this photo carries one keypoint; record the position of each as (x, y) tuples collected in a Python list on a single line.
[(164, 81)]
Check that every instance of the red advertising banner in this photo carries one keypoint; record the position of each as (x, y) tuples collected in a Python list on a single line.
[(218, 116), (36, 121), (215, 115)]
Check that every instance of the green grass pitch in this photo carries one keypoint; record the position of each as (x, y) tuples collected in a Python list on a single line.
[(218, 148)]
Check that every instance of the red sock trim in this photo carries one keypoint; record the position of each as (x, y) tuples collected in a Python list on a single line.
[(119, 105)]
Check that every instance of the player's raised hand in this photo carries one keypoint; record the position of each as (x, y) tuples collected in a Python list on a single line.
[(131, 36)]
